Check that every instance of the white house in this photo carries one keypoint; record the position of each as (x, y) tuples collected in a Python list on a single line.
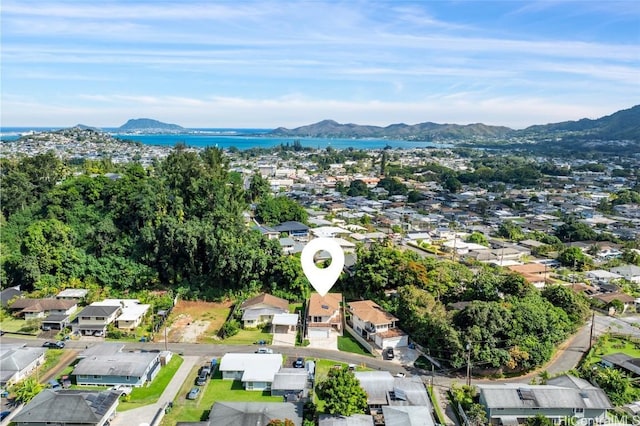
[(18, 361), (256, 371), (375, 324)]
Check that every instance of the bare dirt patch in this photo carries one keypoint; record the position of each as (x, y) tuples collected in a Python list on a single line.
[(191, 320)]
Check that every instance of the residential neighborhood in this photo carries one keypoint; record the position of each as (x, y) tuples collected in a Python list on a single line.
[(435, 273)]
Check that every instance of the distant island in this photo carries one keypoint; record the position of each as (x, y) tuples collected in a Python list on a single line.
[(136, 125)]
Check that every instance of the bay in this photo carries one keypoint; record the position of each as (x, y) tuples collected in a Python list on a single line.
[(241, 139)]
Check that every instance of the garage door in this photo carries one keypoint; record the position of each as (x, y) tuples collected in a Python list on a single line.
[(319, 333)]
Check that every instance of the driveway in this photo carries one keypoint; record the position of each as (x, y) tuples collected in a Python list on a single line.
[(324, 341), (284, 339), (145, 415)]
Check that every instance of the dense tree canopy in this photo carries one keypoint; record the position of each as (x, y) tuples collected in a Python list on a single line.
[(342, 393)]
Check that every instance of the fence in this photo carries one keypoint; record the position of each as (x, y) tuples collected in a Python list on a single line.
[(361, 340)]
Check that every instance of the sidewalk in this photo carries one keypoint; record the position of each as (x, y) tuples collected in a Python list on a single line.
[(144, 415)]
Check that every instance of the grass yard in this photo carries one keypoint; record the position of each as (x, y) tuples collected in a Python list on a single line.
[(248, 337), (610, 345), (151, 393), (11, 324), (296, 308), (216, 389), (347, 343), (51, 359)]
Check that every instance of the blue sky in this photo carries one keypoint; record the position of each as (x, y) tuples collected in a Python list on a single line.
[(266, 64)]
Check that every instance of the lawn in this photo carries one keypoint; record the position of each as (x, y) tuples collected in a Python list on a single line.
[(248, 337), (610, 345), (51, 359), (188, 312), (11, 324), (216, 389), (149, 394), (347, 343)]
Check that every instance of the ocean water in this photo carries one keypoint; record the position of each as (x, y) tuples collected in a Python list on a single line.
[(241, 139)]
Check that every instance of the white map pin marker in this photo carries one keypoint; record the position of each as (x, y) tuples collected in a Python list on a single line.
[(322, 279)]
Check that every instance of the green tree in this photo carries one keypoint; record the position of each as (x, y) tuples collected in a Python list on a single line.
[(342, 393), (574, 257), (358, 188), (274, 210), (539, 420), (27, 389), (510, 230), (478, 238), (259, 187)]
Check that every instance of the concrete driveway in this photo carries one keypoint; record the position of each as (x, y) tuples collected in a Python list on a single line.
[(328, 341)]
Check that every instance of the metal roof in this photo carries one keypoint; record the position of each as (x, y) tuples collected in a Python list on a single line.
[(119, 364)]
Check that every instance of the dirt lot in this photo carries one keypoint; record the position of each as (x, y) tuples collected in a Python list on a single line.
[(189, 321)]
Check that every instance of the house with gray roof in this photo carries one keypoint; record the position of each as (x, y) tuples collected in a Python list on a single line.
[(290, 383), (624, 362), (18, 361), (117, 368), (384, 390), (561, 399), (407, 416), (8, 294), (256, 371), (628, 272), (353, 420), (69, 407), (250, 413), (95, 318)]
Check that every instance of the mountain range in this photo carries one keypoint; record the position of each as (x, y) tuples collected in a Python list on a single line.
[(622, 125)]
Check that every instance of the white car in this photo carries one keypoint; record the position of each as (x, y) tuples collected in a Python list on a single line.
[(264, 351)]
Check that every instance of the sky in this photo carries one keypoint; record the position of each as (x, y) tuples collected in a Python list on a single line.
[(266, 64)]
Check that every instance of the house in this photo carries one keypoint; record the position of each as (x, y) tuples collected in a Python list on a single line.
[(407, 416), (293, 229), (261, 309), (9, 294), (628, 272), (624, 362), (256, 371), (562, 398), (353, 420), (383, 389), (110, 367), (95, 318), (600, 276), (40, 308), (132, 312), (18, 361), (535, 274), (323, 314), (375, 324), (73, 293), (69, 407), (606, 298), (252, 413), (290, 383)]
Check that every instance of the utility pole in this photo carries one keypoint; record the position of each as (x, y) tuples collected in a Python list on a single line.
[(593, 326), (468, 364)]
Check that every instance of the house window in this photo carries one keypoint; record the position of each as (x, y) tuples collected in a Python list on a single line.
[(317, 319), (96, 377), (85, 318), (99, 318), (83, 377), (249, 385), (578, 411), (128, 378)]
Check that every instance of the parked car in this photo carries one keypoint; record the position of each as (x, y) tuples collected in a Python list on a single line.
[(54, 384), (193, 393), (4, 414), (205, 370), (388, 353), (99, 333), (201, 380), (45, 328), (264, 351), (298, 363), (53, 345)]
